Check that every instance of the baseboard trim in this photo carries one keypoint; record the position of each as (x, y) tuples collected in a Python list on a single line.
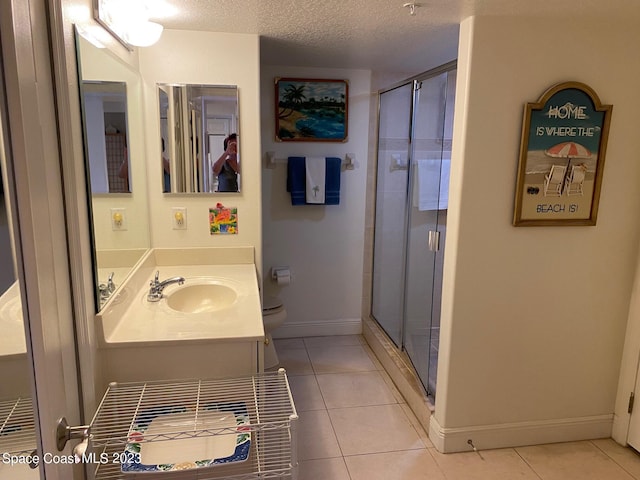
[(484, 437), (344, 326)]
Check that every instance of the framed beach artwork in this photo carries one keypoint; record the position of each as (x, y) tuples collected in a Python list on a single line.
[(311, 110), (562, 151)]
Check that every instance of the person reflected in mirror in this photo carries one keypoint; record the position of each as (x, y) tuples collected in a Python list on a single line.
[(166, 173), (226, 167)]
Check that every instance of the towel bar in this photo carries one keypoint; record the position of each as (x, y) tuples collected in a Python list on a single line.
[(348, 162)]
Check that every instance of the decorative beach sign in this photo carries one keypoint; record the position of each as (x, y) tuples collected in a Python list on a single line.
[(562, 150), (309, 110)]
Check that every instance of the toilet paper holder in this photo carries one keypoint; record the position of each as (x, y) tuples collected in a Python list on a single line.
[(277, 272)]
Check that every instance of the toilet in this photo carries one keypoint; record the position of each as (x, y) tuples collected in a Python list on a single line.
[(273, 315)]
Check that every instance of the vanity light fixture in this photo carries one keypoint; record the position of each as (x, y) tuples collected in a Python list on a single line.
[(412, 7), (128, 21), (144, 34)]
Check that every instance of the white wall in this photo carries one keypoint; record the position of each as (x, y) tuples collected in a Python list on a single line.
[(211, 59), (323, 245), (533, 318)]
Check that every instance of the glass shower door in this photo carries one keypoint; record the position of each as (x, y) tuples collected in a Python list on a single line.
[(431, 145), (387, 305)]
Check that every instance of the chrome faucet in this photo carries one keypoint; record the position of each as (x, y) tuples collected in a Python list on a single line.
[(156, 287), (106, 289)]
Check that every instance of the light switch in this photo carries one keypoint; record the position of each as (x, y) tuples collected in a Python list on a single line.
[(179, 218), (118, 219)]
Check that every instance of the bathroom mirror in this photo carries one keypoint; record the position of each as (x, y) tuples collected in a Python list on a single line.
[(199, 149), (104, 113), (111, 99)]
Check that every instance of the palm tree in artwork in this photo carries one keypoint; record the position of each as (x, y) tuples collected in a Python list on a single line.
[(292, 98)]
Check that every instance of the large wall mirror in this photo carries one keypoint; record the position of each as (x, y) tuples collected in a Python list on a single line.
[(199, 138), (111, 98)]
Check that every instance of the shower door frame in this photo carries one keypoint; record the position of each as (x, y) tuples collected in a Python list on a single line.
[(415, 81)]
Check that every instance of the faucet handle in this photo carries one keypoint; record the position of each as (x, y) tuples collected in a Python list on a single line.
[(110, 285), (156, 280)]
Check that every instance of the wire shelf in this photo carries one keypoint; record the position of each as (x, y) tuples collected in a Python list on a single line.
[(127, 408), (17, 430)]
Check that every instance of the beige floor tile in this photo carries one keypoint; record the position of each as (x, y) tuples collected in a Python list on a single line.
[(334, 341), (374, 429), (295, 361), (373, 358), (306, 393), (323, 469), (282, 343), (354, 389), (626, 457), (572, 461), (316, 438), (387, 379), (340, 359), (424, 436), (504, 464), (409, 464)]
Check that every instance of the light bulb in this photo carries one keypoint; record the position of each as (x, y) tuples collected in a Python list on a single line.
[(143, 34)]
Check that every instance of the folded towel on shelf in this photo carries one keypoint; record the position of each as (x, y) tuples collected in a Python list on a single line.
[(315, 169), (431, 187), (297, 181)]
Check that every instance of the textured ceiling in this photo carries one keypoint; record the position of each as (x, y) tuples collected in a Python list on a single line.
[(372, 34)]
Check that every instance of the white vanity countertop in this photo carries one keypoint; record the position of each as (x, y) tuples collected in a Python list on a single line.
[(12, 340), (150, 323)]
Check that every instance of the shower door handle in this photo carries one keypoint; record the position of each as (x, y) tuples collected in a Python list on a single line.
[(434, 240)]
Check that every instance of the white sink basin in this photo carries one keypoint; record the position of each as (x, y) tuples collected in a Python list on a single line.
[(203, 297)]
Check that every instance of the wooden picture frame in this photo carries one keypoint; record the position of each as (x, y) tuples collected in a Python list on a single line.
[(562, 152), (311, 110)]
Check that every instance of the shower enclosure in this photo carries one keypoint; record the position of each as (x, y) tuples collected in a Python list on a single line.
[(414, 152)]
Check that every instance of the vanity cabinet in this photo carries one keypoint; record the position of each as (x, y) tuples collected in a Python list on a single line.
[(208, 326), (139, 422)]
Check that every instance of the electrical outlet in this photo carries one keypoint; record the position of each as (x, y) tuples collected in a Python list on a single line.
[(179, 218), (118, 219)]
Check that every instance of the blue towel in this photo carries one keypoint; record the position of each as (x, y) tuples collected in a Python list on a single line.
[(296, 181), (332, 181)]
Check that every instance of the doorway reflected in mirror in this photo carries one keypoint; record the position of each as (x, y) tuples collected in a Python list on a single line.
[(196, 127)]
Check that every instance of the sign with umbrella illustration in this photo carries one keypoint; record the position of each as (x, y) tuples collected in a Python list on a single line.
[(568, 150), (570, 124)]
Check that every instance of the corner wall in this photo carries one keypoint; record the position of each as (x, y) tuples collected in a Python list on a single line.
[(210, 59), (323, 245), (533, 318)]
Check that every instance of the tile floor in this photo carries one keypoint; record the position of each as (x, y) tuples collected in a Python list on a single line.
[(354, 425)]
